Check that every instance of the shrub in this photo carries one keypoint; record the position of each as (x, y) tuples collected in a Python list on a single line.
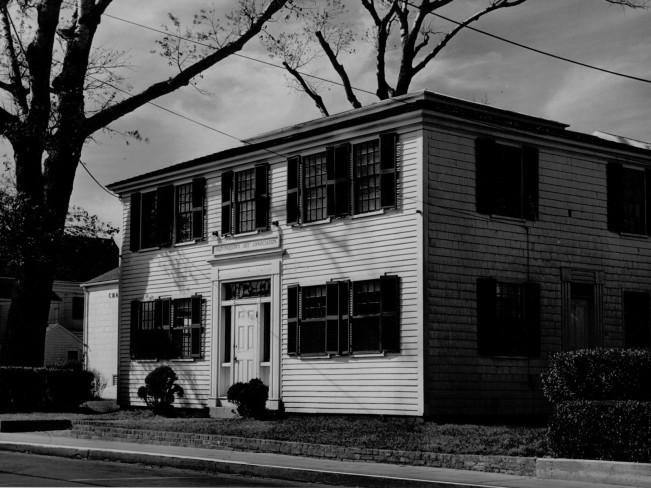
[(159, 390), (598, 374), (607, 430), (45, 389), (250, 398)]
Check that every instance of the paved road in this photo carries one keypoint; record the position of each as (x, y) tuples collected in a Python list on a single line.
[(17, 469)]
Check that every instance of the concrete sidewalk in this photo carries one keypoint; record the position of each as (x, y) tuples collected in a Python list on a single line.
[(58, 443)]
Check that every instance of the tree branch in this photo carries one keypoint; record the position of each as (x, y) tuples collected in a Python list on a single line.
[(307, 89), (340, 70), (15, 87), (183, 78)]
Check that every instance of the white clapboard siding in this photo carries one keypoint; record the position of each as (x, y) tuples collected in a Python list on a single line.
[(364, 247), (176, 272)]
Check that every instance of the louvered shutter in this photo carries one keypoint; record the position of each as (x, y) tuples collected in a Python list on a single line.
[(486, 314), (390, 318), (530, 182), (134, 220), (196, 325), (165, 215), (388, 179), (293, 318), (532, 318), (262, 196), (227, 203), (135, 323), (647, 185), (615, 182), (344, 317), (198, 208), (338, 180), (293, 190), (333, 317), (484, 171)]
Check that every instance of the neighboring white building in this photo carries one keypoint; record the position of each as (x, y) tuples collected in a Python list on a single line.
[(61, 345), (101, 328)]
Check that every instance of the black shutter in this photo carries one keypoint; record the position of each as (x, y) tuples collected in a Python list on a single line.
[(165, 215), (388, 179), (134, 230), (293, 318), (647, 185), (486, 312), (195, 319), (390, 318), (293, 190), (530, 182), (198, 207), (158, 314), (135, 325), (615, 177), (227, 203), (262, 196), (338, 180), (484, 175), (333, 317), (532, 317), (344, 317)]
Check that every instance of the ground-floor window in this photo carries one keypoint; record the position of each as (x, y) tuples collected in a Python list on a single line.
[(167, 328), (582, 296), (637, 319), (343, 317)]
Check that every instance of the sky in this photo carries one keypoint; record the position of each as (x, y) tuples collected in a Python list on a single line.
[(248, 98)]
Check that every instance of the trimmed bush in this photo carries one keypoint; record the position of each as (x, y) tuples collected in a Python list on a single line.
[(606, 430), (43, 389), (598, 374), (159, 390), (250, 398)]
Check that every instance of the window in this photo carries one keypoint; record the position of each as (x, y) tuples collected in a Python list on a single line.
[(637, 320), (582, 294), (168, 215), (73, 355), (320, 319), (506, 179), (77, 308), (245, 200), (166, 328), (508, 318), (343, 180), (627, 199)]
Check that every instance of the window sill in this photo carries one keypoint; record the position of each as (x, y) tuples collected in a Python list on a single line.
[(147, 249), (382, 211), (630, 235), (315, 356), (507, 218), (226, 365), (182, 360), (368, 354), (266, 364), (316, 222), (186, 243)]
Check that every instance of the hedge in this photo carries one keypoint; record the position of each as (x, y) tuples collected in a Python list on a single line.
[(606, 430), (43, 389), (598, 374)]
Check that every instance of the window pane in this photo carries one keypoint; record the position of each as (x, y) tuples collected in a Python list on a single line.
[(266, 332), (366, 163), (314, 186), (511, 338), (247, 289), (367, 310), (634, 202), (245, 200), (582, 326), (312, 325), (184, 213), (149, 232)]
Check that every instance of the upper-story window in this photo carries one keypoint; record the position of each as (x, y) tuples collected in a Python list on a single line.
[(245, 200), (508, 318), (343, 180), (628, 204), (168, 215), (506, 179)]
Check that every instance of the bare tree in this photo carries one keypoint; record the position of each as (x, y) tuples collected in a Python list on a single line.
[(47, 78), (403, 36)]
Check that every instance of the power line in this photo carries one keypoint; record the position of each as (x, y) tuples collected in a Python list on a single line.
[(83, 165)]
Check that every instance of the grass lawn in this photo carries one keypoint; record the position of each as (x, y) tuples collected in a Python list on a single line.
[(411, 434)]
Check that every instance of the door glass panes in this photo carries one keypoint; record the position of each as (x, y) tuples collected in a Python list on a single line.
[(247, 289)]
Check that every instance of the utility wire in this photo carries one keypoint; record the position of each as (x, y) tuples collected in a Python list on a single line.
[(83, 165)]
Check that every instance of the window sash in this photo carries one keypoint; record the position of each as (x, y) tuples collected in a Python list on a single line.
[(366, 173), (315, 179)]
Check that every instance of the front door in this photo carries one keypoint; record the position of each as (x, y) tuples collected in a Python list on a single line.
[(245, 343)]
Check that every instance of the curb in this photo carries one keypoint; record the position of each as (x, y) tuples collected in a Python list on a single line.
[(607, 472), (232, 467)]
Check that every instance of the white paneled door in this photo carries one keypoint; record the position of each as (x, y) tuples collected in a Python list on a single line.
[(245, 345)]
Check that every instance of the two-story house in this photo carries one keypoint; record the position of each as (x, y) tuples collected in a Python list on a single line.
[(420, 256)]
